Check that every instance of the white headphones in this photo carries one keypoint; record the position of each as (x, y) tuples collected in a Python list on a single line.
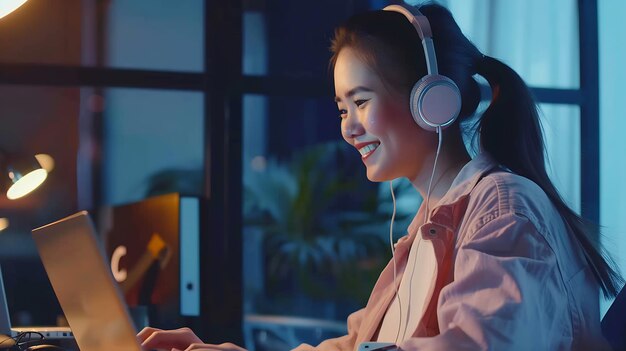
[(435, 99)]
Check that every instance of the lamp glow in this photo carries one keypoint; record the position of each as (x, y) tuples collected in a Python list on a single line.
[(27, 183), (4, 224), (8, 6)]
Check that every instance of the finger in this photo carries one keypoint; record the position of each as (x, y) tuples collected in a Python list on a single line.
[(230, 346), (145, 333), (203, 347), (208, 347), (169, 339)]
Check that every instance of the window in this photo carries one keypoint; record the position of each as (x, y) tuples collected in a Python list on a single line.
[(151, 138)]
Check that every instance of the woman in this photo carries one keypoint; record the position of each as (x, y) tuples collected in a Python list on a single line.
[(494, 259)]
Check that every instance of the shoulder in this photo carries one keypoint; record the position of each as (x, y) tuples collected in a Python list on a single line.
[(508, 195), (508, 210), (510, 215)]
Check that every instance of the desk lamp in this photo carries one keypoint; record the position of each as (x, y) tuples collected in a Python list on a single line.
[(21, 175), (8, 6)]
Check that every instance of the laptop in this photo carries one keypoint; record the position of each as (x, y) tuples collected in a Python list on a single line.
[(84, 285), (6, 329)]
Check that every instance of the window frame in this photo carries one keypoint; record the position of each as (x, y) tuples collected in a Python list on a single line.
[(224, 85)]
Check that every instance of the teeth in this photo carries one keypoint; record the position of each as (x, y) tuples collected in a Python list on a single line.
[(368, 148)]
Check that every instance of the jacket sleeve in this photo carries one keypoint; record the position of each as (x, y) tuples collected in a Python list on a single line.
[(505, 294), (342, 343)]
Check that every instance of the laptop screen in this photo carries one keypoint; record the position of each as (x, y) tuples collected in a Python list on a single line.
[(83, 283), (5, 320)]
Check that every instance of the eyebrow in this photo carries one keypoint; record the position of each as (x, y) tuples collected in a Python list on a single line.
[(354, 91)]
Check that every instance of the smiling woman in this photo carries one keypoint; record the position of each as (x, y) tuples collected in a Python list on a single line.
[(489, 211)]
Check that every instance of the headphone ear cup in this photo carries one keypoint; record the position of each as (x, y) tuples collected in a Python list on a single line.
[(435, 102)]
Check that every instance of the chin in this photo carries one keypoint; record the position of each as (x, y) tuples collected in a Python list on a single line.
[(377, 177)]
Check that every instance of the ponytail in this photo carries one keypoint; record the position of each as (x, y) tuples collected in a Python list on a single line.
[(509, 130)]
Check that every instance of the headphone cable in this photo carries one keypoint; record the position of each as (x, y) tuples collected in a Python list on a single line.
[(393, 257), (426, 219)]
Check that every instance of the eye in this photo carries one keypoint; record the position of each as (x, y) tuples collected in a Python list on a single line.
[(342, 113), (360, 103)]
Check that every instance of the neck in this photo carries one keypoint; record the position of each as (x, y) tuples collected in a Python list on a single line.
[(452, 158)]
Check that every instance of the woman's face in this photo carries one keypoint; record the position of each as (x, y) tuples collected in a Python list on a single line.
[(378, 122)]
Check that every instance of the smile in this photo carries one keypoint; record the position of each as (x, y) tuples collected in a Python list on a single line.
[(368, 150)]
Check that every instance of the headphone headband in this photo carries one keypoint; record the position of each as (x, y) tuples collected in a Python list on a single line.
[(413, 14), (422, 26)]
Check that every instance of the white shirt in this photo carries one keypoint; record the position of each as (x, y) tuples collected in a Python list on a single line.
[(408, 307)]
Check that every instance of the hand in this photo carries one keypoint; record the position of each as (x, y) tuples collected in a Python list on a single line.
[(207, 347), (180, 339)]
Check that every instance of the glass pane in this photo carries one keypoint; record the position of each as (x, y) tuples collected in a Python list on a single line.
[(142, 34), (538, 39), (291, 38), (612, 126), (255, 43), (561, 125), (155, 34), (152, 138)]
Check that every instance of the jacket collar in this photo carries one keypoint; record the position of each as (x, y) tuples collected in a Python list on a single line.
[(443, 212)]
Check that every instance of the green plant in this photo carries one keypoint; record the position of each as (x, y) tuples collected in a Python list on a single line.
[(325, 226)]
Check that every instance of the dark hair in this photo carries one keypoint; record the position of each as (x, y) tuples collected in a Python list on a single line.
[(509, 129)]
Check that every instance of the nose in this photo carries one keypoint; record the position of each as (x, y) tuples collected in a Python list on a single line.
[(351, 128)]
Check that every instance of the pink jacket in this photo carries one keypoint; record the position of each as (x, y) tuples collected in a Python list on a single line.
[(509, 275)]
